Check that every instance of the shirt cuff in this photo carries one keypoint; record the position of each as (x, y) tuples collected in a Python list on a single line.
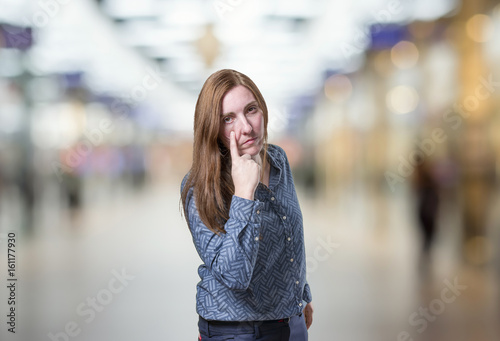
[(245, 210), (307, 293)]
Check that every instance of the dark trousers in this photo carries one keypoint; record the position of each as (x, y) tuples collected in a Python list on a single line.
[(293, 329)]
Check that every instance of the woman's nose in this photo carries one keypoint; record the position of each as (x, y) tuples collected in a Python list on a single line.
[(245, 127)]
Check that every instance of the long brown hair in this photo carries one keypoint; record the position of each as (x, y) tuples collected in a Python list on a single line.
[(210, 173)]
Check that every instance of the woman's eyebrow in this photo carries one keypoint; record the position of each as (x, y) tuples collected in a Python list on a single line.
[(246, 106)]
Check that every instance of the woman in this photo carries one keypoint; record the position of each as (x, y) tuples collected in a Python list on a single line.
[(240, 204)]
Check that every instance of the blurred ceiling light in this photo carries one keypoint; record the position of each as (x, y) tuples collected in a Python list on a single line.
[(129, 8), (431, 9), (292, 8), (15, 11), (182, 14), (480, 28), (338, 88), (239, 13), (404, 55), (402, 99)]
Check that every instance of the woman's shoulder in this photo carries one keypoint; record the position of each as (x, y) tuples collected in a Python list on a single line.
[(184, 180), (276, 151), (274, 148)]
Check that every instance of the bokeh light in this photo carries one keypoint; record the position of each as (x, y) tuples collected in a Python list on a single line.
[(402, 99), (338, 88), (480, 28), (404, 54)]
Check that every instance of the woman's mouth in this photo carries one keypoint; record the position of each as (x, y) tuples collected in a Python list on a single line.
[(250, 141)]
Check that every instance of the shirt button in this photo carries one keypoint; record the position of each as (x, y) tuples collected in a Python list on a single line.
[(300, 304), (258, 212), (284, 217), (256, 238), (296, 282), (289, 238), (291, 259), (272, 198)]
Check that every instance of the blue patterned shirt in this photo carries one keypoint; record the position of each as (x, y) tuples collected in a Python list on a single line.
[(257, 270)]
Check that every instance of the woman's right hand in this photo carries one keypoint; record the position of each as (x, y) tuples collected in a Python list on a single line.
[(245, 170)]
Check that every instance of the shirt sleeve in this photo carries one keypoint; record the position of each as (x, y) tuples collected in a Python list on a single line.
[(231, 256)]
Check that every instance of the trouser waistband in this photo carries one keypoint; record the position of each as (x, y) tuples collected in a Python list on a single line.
[(235, 323)]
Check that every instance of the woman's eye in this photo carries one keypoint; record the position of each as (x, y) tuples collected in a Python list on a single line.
[(228, 119), (252, 109)]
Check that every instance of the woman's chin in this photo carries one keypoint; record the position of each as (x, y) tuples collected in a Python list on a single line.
[(252, 150)]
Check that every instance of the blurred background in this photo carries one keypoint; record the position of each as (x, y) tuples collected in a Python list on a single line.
[(389, 111)]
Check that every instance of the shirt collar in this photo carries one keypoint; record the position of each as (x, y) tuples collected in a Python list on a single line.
[(277, 161)]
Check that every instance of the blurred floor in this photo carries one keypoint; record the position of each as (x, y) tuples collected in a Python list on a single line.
[(362, 253)]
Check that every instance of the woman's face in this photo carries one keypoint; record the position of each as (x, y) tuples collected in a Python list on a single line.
[(241, 113)]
